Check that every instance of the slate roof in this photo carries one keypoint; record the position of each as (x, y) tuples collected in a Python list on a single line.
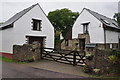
[(17, 16), (105, 20)]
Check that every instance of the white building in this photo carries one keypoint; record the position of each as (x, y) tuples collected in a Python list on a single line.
[(92, 29), (27, 26)]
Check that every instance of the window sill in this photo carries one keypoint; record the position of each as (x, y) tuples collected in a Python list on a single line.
[(36, 30)]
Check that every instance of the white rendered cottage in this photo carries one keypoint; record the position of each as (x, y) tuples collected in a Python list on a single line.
[(92, 30), (27, 26)]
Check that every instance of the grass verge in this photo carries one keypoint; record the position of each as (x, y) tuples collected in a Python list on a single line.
[(105, 77), (10, 60)]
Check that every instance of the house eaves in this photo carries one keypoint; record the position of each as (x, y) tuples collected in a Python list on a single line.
[(105, 20), (16, 17)]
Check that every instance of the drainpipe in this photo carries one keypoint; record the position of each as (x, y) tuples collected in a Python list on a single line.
[(119, 41), (104, 36)]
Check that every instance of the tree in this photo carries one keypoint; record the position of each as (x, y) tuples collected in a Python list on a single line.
[(62, 20), (1, 23), (117, 18)]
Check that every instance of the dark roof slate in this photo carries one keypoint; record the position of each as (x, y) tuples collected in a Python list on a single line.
[(17, 16), (105, 20)]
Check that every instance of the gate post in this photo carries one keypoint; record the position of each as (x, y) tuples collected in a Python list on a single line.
[(74, 58), (41, 51)]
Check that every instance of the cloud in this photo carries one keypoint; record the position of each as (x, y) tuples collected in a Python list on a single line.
[(8, 9), (119, 6), (59, 0)]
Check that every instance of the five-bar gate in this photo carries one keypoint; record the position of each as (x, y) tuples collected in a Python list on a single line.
[(64, 56)]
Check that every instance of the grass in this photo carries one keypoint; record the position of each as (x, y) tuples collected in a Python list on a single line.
[(6, 59), (105, 77), (10, 60)]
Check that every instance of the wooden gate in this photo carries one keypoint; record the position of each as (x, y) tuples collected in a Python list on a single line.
[(64, 56)]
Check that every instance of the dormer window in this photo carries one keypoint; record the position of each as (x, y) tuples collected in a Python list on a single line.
[(36, 24), (85, 28)]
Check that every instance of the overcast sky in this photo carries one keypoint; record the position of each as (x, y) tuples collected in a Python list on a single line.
[(8, 8)]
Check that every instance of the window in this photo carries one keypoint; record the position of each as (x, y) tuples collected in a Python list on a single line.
[(85, 28), (36, 24), (66, 43), (110, 45)]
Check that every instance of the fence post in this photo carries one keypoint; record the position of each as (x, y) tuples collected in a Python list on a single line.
[(74, 58)]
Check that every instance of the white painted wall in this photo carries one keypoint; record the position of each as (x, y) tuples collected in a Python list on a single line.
[(95, 27), (112, 36), (7, 40), (0, 40), (23, 27)]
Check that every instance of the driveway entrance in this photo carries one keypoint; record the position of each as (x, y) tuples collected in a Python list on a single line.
[(58, 67)]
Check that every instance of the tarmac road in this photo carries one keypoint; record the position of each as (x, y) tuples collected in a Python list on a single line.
[(13, 70)]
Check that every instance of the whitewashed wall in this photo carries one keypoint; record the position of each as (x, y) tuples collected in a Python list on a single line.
[(23, 27), (119, 35), (95, 27), (112, 36), (0, 40), (7, 40)]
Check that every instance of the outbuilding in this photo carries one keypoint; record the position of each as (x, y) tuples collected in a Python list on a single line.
[(27, 26)]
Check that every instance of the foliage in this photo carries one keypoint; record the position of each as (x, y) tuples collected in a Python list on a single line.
[(1, 23), (58, 41), (89, 56), (6, 59), (62, 20), (96, 70), (117, 52), (87, 69), (112, 59), (117, 17), (57, 33), (10, 60), (28, 59)]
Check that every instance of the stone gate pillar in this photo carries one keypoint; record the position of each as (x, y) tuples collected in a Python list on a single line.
[(37, 49)]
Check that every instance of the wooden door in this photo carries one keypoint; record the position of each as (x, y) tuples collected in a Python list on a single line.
[(34, 39), (82, 44)]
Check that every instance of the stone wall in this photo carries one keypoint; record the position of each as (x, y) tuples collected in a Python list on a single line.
[(102, 46), (100, 61), (27, 52), (71, 44), (84, 36)]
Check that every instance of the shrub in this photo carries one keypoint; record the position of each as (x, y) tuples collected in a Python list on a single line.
[(89, 56), (113, 59)]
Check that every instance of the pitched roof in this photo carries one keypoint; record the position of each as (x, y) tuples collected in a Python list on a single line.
[(105, 20), (17, 16)]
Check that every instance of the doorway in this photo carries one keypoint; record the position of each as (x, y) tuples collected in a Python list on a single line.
[(82, 44), (39, 39)]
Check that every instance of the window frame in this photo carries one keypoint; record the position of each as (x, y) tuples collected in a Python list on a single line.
[(36, 25), (85, 27)]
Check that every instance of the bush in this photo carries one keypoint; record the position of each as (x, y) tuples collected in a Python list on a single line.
[(89, 56), (113, 59)]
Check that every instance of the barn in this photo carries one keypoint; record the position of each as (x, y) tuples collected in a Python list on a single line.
[(25, 27)]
